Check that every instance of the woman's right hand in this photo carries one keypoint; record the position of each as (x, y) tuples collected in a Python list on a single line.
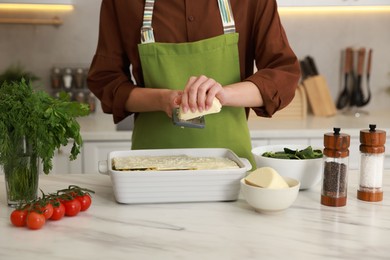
[(200, 92)]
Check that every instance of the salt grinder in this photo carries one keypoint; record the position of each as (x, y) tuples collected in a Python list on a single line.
[(336, 160), (372, 156), (67, 78)]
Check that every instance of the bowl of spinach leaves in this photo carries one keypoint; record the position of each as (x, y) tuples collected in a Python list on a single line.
[(300, 162)]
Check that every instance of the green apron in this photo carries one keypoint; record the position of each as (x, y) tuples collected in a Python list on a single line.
[(169, 65)]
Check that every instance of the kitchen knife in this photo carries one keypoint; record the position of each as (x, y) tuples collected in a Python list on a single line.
[(311, 63), (309, 68), (305, 71)]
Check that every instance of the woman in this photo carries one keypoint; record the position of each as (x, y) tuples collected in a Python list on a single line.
[(186, 53)]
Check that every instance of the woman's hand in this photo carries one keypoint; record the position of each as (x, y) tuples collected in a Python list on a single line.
[(153, 99), (173, 100), (199, 93)]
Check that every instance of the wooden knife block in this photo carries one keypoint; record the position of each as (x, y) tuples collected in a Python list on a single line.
[(297, 109), (318, 95)]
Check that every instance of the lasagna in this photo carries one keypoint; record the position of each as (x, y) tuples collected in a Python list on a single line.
[(171, 163)]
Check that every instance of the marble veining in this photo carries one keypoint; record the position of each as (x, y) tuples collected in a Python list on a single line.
[(204, 230)]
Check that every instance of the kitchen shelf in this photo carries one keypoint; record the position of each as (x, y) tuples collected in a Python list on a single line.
[(57, 2), (325, 3), (53, 21), (34, 12)]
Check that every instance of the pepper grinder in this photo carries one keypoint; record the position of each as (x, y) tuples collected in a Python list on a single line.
[(56, 78), (372, 157), (79, 78), (92, 102), (335, 174)]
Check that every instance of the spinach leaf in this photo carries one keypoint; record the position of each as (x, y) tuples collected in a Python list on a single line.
[(287, 153)]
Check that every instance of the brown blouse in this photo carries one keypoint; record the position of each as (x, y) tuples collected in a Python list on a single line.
[(262, 41)]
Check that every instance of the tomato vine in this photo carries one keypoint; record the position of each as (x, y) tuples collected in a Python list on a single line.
[(53, 206)]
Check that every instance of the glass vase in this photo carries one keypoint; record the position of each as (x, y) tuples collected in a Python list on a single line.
[(21, 171)]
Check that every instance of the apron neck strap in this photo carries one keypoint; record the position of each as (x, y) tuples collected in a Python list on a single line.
[(147, 34), (147, 29), (225, 10)]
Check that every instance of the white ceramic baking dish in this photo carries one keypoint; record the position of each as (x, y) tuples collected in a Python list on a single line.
[(131, 187)]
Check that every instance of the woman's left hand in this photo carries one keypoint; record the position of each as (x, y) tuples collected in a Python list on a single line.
[(200, 92)]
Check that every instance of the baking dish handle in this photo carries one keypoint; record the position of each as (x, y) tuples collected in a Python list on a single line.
[(247, 164), (102, 167)]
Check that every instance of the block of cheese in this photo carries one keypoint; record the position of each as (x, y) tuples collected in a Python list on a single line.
[(266, 177), (215, 108)]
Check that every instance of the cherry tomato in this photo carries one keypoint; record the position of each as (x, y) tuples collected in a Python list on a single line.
[(72, 207), (85, 201), (35, 220), (58, 212), (47, 210), (18, 217)]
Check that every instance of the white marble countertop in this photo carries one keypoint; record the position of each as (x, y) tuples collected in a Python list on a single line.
[(213, 230), (100, 127)]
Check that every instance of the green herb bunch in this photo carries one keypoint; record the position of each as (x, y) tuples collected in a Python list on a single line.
[(16, 72), (46, 122)]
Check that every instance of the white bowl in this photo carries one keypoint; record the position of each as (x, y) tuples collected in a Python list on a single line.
[(308, 172), (266, 200)]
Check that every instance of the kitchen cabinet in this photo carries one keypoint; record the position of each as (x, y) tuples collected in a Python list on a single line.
[(259, 142), (93, 152), (101, 137), (62, 164), (87, 161)]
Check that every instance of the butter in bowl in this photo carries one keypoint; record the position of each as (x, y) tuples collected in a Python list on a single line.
[(267, 191)]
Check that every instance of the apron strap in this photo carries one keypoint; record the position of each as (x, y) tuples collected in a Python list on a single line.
[(147, 29), (225, 10)]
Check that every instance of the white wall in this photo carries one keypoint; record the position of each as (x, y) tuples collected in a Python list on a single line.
[(40, 47), (325, 35)]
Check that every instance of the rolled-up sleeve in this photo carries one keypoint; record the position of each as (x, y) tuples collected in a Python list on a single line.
[(278, 70), (109, 75)]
